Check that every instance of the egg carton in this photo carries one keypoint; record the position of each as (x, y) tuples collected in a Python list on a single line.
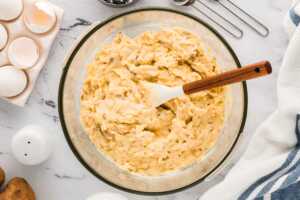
[(16, 29)]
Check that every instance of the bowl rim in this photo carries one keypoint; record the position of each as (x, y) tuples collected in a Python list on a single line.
[(68, 60)]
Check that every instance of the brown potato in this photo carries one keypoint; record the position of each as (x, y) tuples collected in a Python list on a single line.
[(17, 189), (2, 176)]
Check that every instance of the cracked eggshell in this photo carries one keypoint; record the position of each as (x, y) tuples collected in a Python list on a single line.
[(23, 52), (3, 37), (40, 17), (12, 81), (10, 9)]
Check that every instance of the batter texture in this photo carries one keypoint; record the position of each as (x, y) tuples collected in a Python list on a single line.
[(121, 123)]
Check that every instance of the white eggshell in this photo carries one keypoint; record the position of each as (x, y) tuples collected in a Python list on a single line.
[(3, 37), (23, 52), (107, 196), (40, 17), (32, 145), (10, 9), (12, 81)]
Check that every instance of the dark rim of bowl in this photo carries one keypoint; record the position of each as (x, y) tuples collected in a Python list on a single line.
[(61, 91)]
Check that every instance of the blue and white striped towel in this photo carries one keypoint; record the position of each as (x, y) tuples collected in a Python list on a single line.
[(270, 168)]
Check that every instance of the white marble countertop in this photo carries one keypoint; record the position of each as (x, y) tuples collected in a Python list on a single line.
[(62, 176)]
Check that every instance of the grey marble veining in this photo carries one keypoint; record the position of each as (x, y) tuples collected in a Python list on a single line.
[(62, 176)]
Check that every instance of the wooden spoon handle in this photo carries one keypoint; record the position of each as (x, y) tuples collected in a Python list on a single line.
[(237, 75)]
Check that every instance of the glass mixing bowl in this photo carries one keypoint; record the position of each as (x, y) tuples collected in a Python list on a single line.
[(133, 23)]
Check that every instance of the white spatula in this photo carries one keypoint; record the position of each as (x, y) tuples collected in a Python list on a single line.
[(159, 94)]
